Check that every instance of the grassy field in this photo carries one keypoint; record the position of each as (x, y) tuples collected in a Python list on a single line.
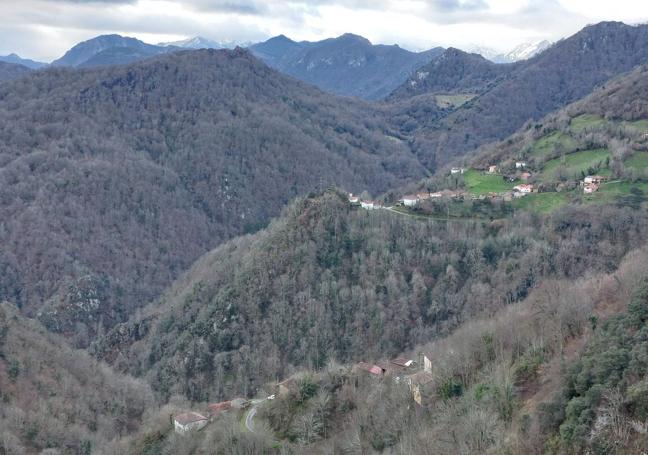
[(478, 183), (541, 202), (583, 122), (638, 161), (640, 125), (575, 163), (546, 145), (446, 101)]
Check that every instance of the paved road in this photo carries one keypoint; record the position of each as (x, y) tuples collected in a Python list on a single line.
[(249, 418)]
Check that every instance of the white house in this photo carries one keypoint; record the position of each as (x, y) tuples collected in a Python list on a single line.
[(410, 200), (524, 188), (520, 164), (368, 205), (457, 170), (595, 179), (189, 421)]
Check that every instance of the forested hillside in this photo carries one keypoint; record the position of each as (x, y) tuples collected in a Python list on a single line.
[(113, 181), (327, 282), (452, 73), (564, 73), (56, 397), (11, 71)]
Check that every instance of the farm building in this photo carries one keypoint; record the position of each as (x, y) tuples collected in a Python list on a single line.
[(371, 369), (189, 421), (410, 200), (524, 188), (353, 199), (520, 164), (595, 179), (492, 169)]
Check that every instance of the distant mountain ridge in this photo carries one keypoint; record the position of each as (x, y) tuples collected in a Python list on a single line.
[(15, 58), (523, 51), (454, 71), (199, 42), (348, 65), (109, 50)]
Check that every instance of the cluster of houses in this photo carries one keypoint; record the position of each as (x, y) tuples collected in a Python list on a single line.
[(403, 371), (194, 421), (590, 184)]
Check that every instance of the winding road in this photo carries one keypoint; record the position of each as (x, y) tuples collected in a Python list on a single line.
[(249, 418)]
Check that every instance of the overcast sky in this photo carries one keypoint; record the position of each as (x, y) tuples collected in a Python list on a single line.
[(45, 29)]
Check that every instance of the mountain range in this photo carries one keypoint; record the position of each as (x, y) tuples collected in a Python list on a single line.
[(14, 58), (348, 65)]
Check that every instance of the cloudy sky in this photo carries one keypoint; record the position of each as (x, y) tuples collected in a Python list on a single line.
[(45, 29)]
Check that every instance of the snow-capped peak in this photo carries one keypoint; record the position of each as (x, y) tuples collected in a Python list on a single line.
[(197, 42), (526, 50)]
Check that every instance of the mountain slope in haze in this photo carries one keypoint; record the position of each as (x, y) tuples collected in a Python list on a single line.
[(453, 72), (276, 48), (109, 50), (348, 65), (58, 398), (564, 73), (105, 172), (11, 71), (13, 58)]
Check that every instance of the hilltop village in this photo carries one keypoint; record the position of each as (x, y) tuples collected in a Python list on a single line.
[(518, 185)]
